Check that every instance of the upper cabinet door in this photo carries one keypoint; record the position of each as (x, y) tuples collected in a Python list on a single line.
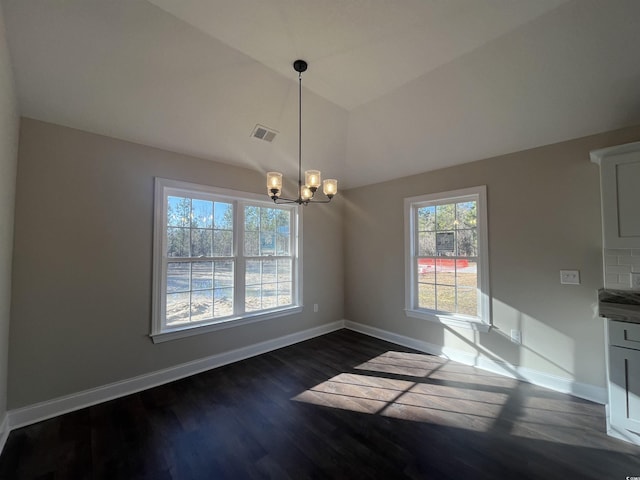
[(620, 189)]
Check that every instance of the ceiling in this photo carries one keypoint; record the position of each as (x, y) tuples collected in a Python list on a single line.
[(393, 88)]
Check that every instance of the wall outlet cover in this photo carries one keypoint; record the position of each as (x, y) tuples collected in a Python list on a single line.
[(635, 281), (570, 277)]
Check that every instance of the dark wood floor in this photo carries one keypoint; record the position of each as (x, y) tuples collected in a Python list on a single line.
[(339, 406)]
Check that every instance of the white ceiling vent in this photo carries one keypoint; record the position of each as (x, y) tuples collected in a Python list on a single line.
[(264, 133)]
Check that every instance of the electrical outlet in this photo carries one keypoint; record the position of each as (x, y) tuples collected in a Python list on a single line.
[(315, 307), (570, 277), (635, 281), (516, 336)]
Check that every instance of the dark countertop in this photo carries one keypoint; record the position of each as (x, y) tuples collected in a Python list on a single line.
[(620, 305)]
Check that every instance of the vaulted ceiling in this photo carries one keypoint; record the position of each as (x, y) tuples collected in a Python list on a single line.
[(393, 87)]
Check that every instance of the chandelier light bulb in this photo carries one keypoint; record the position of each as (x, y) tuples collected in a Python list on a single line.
[(305, 193), (312, 179), (274, 184), (330, 187)]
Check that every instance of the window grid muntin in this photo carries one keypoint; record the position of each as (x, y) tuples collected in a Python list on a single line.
[(276, 281), (436, 206), (238, 205), (263, 255)]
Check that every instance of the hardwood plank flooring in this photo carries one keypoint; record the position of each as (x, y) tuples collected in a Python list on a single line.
[(343, 405)]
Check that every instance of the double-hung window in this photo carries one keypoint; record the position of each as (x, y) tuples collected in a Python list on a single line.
[(221, 258), (446, 259)]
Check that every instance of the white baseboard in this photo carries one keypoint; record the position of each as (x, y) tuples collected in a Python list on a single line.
[(51, 408), (558, 384), (4, 431)]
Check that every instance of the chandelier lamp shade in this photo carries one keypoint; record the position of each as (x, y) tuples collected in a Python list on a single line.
[(312, 178)]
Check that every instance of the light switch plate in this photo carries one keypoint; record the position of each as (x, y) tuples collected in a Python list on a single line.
[(570, 277)]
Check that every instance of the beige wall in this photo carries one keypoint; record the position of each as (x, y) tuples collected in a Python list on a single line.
[(8, 155), (82, 263), (82, 260), (544, 215)]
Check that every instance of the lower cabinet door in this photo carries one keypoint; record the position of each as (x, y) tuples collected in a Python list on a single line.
[(624, 377)]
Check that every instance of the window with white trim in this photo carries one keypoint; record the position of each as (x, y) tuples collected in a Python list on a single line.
[(447, 264), (221, 258)]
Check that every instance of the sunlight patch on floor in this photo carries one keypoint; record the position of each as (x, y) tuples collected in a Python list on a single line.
[(428, 389)]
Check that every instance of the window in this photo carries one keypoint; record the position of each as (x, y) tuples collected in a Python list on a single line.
[(221, 258), (447, 276)]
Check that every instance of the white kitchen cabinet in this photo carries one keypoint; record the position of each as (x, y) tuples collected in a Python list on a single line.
[(620, 190), (624, 380)]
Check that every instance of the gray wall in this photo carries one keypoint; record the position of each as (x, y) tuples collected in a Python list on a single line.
[(8, 156), (544, 215), (82, 263)]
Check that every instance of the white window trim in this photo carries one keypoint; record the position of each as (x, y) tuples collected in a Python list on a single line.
[(159, 333), (483, 322)]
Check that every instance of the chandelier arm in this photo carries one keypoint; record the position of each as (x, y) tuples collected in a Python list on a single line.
[(284, 201), (319, 201)]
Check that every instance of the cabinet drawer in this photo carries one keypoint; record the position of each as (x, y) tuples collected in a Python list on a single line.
[(624, 334)]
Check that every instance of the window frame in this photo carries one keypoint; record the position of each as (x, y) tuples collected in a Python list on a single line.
[(483, 321), (164, 188)]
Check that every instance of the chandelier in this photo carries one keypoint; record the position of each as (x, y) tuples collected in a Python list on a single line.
[(312, 178)]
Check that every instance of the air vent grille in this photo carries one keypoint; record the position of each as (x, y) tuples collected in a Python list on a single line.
[(264, 133)]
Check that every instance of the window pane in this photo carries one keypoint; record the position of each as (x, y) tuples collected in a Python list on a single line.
[(223, 274), (251, 244), (177, 242), (426, 270), (268, 219), (467, 242), (427, 218), (269, 295), (427, 296), (282, 244), (252, 272), (178, 211), (201, 305), (269, 271), (252, 218), (178, 308), (201, 242), (223, 306), (202, 275), (223, 216), (284, 293), (446, 243), (284, 270), (445, 271), (468, 301), (467, 273), (446, 299), (466, 214), (426, 243), (267, 243), (252, 298), (201, 213), (283, 220), (222, 243), (445, 216), (178, 277), (282, 232)]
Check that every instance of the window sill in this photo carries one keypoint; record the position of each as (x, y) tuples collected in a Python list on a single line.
[(451, 320), (191, 330)]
